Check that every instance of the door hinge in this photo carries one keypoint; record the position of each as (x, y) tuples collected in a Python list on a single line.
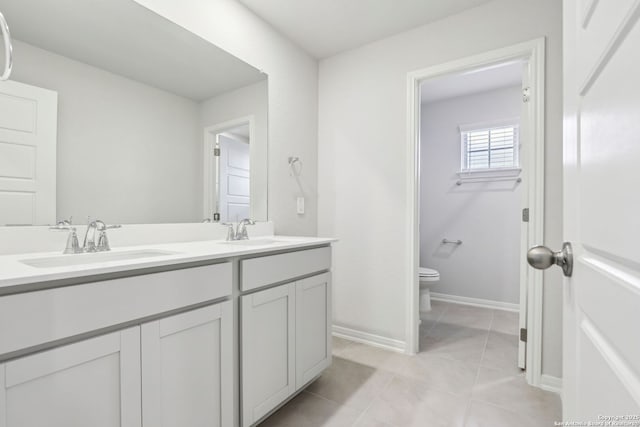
[(526, 94), (525, 215), (216, 152), (523, 335)]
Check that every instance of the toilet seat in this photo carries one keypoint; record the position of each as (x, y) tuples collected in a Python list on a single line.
[(428, 274)]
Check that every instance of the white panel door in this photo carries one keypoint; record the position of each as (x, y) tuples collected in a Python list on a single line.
[(601, 352), (268, 350), (187, 369), (28, 132), (90, 383), (234, 179), (313, 327)]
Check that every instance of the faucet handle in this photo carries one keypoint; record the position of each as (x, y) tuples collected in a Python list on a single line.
[(101, 225), (73, 247), (231, 234), (103, 239), (64, 222), (61, 227), (103, 242)]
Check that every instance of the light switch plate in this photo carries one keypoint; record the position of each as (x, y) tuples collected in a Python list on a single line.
[(300, 205)]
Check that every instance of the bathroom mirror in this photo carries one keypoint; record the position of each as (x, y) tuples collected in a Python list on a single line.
[(134, 118)]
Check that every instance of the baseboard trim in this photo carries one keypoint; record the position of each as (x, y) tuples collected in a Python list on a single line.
[(369, 339), (551, 383), (477, 302)]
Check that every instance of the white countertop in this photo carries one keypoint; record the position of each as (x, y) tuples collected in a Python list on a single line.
[(14, 273)]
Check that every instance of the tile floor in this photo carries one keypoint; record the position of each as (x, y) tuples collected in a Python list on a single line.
[(464, 376)]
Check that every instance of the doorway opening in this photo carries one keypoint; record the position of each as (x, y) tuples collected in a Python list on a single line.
[(227, 172), (476, 143)]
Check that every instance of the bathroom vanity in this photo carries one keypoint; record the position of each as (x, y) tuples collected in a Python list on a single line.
[(200, 333), (175, 326)]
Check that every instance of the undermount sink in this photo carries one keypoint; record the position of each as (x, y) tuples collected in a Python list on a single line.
[(93, 258), (254, 242)]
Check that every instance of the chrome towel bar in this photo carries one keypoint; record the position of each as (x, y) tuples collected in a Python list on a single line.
[(452, 242)]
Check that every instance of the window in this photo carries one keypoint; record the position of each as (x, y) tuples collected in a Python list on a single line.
[(489, 147)]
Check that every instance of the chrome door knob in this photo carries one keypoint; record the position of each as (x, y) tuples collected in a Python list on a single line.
[(541, 257)]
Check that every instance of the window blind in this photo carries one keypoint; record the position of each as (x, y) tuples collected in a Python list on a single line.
[(494, 148)]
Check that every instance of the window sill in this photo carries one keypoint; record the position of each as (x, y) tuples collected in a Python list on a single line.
[(488, 175)]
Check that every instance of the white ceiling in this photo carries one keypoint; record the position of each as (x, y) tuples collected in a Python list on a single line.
[(326, 27), (470, 82), (125, 38)]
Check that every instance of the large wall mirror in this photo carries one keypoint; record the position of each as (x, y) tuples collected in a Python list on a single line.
[(114, 112)]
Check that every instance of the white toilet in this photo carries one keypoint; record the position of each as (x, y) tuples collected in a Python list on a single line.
[(426, 275)]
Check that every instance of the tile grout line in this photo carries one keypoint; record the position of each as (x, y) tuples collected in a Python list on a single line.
[(382, 390), (340, 405), (475, 381), (435, 321), (465, 414), (442, 314), (493, 318), (486, 342)]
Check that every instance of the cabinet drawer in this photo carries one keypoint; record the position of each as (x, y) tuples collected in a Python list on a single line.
[(39, 317), (262, 271)]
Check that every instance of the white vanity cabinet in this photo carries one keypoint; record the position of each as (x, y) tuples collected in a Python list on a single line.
[(285, 329), (209, 342), (268, 350), (150, 368), (313, 327), (187, 374), (95, 383)]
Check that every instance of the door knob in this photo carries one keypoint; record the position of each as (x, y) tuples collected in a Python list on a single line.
[(541, 257)]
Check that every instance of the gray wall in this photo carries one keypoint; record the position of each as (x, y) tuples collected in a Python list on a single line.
[(131, 153), (127, 152), (485, 216), (362, 158), (293, 97)]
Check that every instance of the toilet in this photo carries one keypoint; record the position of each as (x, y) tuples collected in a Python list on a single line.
[(426, 275)]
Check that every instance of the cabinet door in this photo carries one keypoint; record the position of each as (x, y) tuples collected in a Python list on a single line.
[(313, 327), (268, 351), (95, 383), (187, 369)]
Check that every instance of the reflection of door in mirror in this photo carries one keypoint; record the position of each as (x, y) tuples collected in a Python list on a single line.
[(28, 122), (227, 180), (233, 177)]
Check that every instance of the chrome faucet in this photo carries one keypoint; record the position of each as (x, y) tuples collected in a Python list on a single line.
[(97, 226), (240, 233), (89, 244), (241, 230)]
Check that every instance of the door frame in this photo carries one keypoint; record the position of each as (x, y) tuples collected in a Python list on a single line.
[(209, 144), (532, 232)]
